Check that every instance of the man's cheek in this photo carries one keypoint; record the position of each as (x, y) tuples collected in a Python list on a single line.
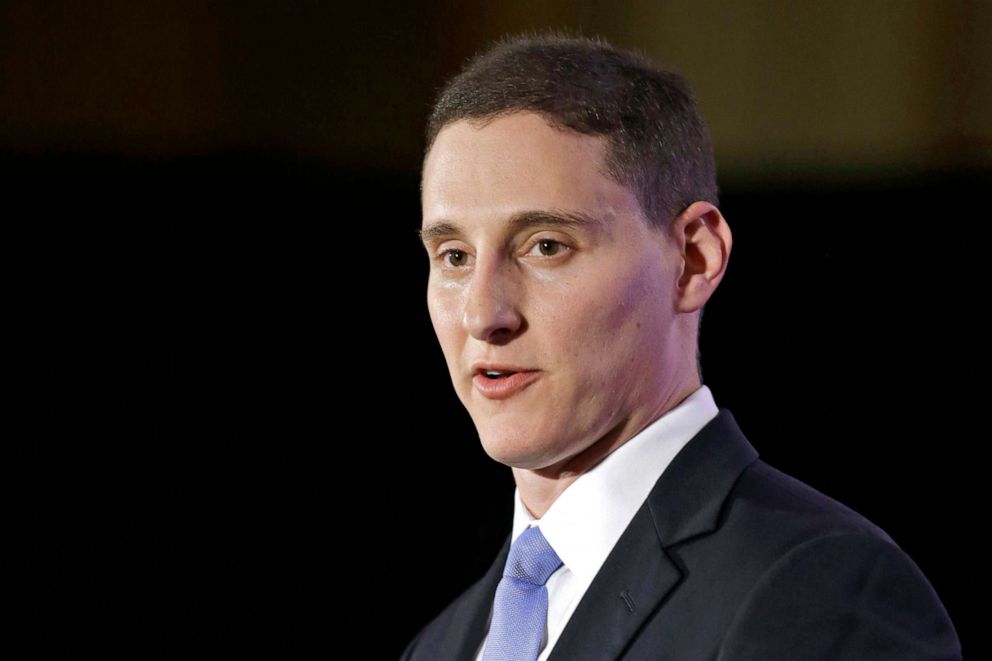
[(444, 308)]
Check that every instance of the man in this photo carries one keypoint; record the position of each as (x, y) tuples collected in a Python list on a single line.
[(570, 217)]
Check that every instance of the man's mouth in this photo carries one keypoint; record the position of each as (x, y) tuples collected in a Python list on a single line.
[(502, 383), (495, 374)]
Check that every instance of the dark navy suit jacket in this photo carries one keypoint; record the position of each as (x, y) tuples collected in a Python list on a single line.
[(732, 560)]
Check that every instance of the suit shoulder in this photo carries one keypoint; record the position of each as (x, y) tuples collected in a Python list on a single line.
[(822, 580), (765, 496), (846, 595)]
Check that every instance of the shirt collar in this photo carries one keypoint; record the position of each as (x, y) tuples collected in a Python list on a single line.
[(586, 520)]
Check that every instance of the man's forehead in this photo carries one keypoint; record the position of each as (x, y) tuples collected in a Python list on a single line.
[(518, 161), (518, 138)]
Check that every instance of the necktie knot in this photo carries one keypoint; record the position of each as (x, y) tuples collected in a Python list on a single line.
[(531, 558), (520, 608)]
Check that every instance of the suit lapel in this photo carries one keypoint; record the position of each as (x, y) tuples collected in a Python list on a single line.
[(685, 502), (470, 621), (635, 577)]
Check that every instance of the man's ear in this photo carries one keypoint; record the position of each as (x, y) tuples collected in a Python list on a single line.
[(704, 240)]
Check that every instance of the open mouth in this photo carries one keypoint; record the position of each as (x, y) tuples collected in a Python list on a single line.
[(493, 374), (502, 384)]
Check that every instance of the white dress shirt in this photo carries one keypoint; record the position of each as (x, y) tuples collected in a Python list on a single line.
[(586, 520)]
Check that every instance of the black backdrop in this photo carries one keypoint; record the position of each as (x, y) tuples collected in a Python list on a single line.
[(230, 428)]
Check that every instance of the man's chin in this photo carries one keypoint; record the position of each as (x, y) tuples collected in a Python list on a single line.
[(516, 453)]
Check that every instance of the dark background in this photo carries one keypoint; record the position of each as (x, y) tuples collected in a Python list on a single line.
[(230, 426)]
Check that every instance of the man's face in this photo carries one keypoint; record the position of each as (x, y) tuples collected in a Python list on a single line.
[(543, 265)]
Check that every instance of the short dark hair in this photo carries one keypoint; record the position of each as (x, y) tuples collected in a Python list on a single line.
[(658, 144)]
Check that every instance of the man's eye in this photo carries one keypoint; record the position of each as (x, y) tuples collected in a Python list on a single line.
[(549, 247), (454, 257)]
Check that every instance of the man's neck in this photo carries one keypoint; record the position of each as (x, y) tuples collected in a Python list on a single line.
[(540, 488)]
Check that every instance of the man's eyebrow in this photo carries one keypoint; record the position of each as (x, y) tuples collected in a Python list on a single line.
[(556, 218), (438, 230)]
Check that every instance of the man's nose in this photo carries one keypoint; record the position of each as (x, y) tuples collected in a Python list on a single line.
[(491, 311)]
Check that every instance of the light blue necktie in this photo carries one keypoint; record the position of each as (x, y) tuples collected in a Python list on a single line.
[(520, 610)]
